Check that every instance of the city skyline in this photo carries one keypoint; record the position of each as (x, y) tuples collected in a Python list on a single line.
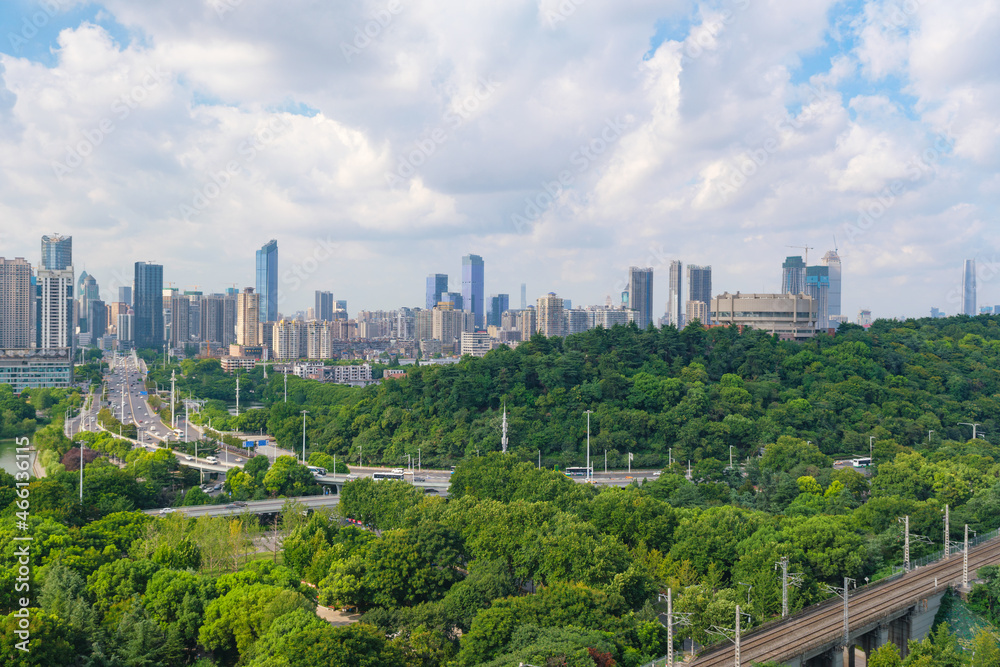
[(840, 132)]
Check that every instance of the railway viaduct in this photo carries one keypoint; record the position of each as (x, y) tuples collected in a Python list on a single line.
[(887, 611)]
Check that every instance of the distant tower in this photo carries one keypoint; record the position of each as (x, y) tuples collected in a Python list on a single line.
[(472, 286), (267, 281), (437, 284), (832, 261), (640, 289), (551, 321), (700, 287), (148, 308), (818, 287), (16, 301), (969, 288), (524, 296), (675, 308), (323, 309), (793, 275), (57, 252)]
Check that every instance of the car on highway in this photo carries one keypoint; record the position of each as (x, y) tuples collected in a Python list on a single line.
[(189, 458), (238, 459), (239, 503), (167, 510)]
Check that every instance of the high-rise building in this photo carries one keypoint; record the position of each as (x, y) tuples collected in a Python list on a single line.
[(865, 317), (437, 285), (969, 288), (16, 303), (675, 299), (640, 290), (125, 295), (528, 323), (818, 287), (55, 316), (323, 310), (834, 305), (57, 253), (267, 281), (700, 286), (697, 310), (97, 318), (472, 286), (340, 309), (524, 296), (89, 290), (180, 320), (126, 326), (551, 320), (793, 275), (499, 303), (148, 305), (247, 317), (455, 299)]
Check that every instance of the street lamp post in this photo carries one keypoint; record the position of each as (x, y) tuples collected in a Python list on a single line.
[(304, 413), (929, 437), (871, 449), (588, 413), (81, 444)]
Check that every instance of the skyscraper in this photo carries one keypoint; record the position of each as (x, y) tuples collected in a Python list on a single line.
[(57, 252), (499, 304), (700, 287), (969, 288), (793, 275), (247, 317), (89, 291), (437, 284), (551, 320), (472, 286), (818, 287), (323, 309), (55, 318), (455, 299), (832, 261), (524, 296), (267, 281), (97, 319), (640, 290), (148, 305), (675, 300), (16, 300), (125, 295)]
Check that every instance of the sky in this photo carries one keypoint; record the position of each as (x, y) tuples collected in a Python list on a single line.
[(561, 140)]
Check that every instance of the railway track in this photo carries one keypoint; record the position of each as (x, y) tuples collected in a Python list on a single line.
[(823, 624)]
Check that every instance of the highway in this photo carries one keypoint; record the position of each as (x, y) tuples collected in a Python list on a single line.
[(823, 624), (254, 506)]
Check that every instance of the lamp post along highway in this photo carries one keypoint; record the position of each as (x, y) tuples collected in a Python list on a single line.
[(588, 413), (304, 413), (947, 534)]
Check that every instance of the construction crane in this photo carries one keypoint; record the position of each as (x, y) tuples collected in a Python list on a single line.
[(804, 247)]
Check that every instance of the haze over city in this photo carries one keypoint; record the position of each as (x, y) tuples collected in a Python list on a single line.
[(394, 138)]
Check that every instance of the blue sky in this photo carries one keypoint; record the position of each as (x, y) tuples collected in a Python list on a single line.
[(563, 142)]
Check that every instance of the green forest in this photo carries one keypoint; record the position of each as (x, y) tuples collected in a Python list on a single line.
[(521, 564)]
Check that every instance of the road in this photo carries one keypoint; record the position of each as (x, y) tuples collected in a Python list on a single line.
[(820, 625), (255, 506)]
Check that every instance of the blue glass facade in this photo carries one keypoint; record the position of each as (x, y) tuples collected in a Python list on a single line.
[(499, 304), (148, 305), (57, 252), (267, 281), (472, 286), (437, 284)]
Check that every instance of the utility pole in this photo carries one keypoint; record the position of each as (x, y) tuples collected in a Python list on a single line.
[(947, 534), (539, 459), (588, 413), (187, 418), (81, 444), (419, 469), (733, 635), (605, 462), (965, 559), (730, 456), (173, 379), (503, 437), (906, 544), (670, 456), (304, 413), (843, 593), (871, 449), (237, 392), (286, 388), (670, 628)]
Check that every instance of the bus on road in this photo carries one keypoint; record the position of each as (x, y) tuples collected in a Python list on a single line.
[(388, 475), (316, 470), (579, 472)]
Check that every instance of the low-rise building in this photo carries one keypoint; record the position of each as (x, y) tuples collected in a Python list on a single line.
[(789, 316), (34, 368)]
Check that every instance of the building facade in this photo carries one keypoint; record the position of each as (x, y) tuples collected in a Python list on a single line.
[(675, 298), (267, 281), (57, 253), (16, 304), (437, 284), (247, 318), (700, 286), (640, 290), (831, 260), (793, 275), (789, 316), (55, 318), (473, 282), (551, 320), (28, 369), (969, 288), (148, 304)]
